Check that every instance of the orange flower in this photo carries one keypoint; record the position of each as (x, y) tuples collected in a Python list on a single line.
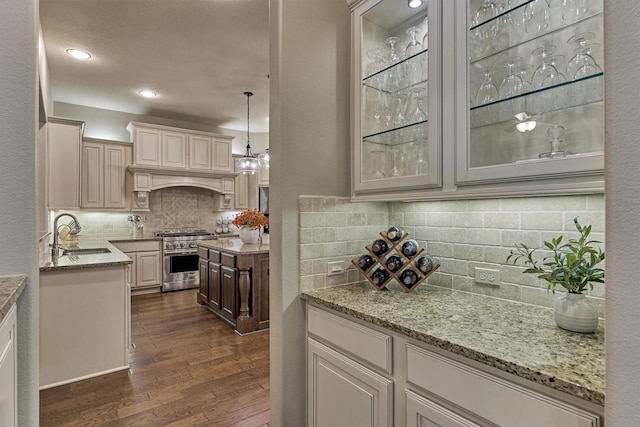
[(250, 218)]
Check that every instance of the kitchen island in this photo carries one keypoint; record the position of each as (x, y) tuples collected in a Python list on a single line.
[(84, 312), (234, 282), (511, 341)]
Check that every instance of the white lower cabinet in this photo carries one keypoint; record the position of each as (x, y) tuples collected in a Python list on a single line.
[(344, 393), (8, 370), (370, 376), (146, 269)]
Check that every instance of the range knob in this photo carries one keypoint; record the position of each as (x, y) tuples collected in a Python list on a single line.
[(183, 245), (168, 245), (192, 245)]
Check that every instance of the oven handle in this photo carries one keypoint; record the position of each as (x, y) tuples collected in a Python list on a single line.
[(180, 253)]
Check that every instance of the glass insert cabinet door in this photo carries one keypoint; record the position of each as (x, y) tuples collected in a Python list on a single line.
[(396, 95), (534, 102)]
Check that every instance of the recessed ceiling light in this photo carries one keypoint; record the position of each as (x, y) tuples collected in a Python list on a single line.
[(78, 54), (414, 4), (148, 93)]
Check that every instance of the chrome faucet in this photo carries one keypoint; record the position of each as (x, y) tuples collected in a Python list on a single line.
[(55, 245)]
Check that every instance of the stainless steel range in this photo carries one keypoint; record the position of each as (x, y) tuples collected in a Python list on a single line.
[(180, 258)]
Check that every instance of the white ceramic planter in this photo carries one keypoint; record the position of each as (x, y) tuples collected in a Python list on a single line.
[(575, 312), (248, 235)]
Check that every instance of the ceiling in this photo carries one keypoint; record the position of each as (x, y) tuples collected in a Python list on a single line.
[(199, 56)]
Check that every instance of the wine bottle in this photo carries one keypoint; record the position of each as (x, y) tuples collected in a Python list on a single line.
[(425, 264), (408, 277), (394, 262), (379, 276), (395, 233), (365, 261), (379, 247), (410, 248)]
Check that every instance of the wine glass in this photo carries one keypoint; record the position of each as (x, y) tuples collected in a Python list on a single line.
[(582, 64), (512, 83), (425, 39), (420, 113), (523, 71), (378, 164), (414, 46), (573, 9), (420, 152), (398, 158), (536, 16), (393, 56), (546, 74), (487, 92), (482, 34)]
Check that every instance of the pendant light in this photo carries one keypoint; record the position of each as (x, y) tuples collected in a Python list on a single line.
[(248, 164), (264, 158)]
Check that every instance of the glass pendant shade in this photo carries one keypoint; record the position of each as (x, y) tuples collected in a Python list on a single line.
[(264, 158), (248, 164)]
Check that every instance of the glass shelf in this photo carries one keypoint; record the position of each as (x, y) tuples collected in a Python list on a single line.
[(381, 79), (479, 49), (586, 90), (402, 135)]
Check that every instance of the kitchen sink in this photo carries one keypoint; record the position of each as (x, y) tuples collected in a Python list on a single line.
[(86, 251)]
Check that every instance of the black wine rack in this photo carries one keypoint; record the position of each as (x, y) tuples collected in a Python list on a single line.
[(394, 249)]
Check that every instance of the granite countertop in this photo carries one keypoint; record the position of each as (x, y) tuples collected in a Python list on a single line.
[(516, 338), (69, 262), (11, 288), (234, 246)]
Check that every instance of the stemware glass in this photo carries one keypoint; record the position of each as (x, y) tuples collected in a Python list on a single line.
[(536, 16), (523, 72), (399, 118), (425, 39), (582, 64), (420, 113), (398, 158), (573, 9), (487, 92), (393, 56), (512, 83), (378, 164), (546, 74), (482, 34), (420, 152), (414, 65)]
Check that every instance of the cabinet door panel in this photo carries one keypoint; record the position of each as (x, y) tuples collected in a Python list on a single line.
[(148, 268), (345, 393), (114, 175), (228, 290), (148, 147), (199, 152), (174, 150), (222, 160), (93, 174), (8, 368), (421, 412), (214, 285), (63, 175), (203, 273)]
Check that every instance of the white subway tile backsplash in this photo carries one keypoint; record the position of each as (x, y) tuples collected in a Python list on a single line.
[(462, 234)]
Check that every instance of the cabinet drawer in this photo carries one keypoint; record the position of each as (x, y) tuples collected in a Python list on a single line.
[(367, 344), (203, 252), (228, 259), (214, 255), (490, 397)]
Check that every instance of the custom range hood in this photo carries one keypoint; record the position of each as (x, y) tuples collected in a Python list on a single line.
[(145, 179), (166, 157)]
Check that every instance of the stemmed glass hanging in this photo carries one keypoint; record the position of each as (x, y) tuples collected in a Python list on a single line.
[(378, 164), (573, 9), (582, 64), (536, 15), (546, 74), (487, 92), (512, 83), (482, 34), (414, 66)]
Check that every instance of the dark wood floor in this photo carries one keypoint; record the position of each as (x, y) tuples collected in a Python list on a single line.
[(188, 368)]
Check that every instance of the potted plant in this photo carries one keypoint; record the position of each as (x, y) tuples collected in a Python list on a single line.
[(249, 223), (573, 266)]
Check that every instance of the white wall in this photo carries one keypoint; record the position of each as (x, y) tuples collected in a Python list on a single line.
[(622, 156), (309, 136), (18, 123), (112, 125)]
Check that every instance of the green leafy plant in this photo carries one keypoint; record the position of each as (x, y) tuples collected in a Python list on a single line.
[(572, 266)]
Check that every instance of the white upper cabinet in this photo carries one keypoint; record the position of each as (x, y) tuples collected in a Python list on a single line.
[(103, 174), (396, 98), (163, 146), (477, 98), (63, 163), (533, 105)]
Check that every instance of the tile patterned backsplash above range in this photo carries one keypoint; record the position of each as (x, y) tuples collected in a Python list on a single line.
[(463, 234)]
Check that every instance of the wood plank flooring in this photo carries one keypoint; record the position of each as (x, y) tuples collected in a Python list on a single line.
[(187, 368)]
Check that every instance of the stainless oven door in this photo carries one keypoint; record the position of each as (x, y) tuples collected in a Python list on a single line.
[(180, 271)]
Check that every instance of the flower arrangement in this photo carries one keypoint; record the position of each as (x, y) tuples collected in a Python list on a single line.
[(250, 218), (573, 265)]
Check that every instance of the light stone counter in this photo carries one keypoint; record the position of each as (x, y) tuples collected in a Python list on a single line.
[(234, 246), (11, 288), (68, 262), (516, 338)]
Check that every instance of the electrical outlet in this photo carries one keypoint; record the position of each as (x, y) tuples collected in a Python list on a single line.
[(487, 275), (335, 267)]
